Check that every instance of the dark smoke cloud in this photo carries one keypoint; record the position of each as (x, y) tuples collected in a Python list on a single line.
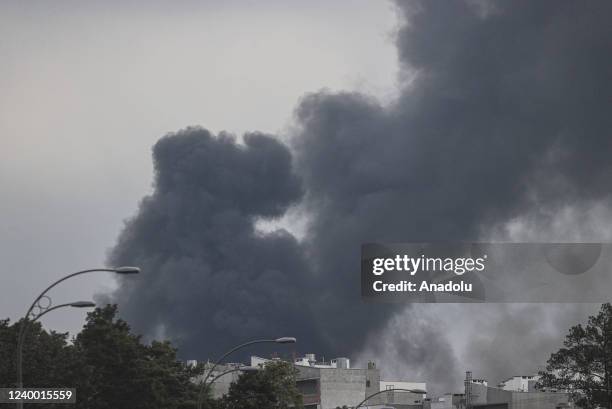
[(507, 112), (506, 96), (210, 280)]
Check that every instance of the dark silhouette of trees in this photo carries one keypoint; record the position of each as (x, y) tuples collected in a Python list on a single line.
[(584, 365)]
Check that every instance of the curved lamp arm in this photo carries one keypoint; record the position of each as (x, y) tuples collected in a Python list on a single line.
[(23, 328), (82, 304), (118, 270), (55, 307), (282, 340), (387, 390)]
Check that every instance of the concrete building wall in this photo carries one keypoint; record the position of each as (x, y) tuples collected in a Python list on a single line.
[(342, 387), (538, 400), (328, 388), (308, 383), (486, 397), (496, 395), (372, 380), (307, 372), (448, 401), (522, 383), (478, 394), (441, 404)]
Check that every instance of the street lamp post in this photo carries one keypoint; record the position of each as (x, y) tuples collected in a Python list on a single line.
[(387, 390), (45, 309), (281, 340)]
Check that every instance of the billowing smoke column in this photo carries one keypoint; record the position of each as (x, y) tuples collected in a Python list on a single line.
[(503, 112), (210, 279), (507, 112)]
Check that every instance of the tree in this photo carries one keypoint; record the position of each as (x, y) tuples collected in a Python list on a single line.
[(274, 387), (110, 367), (47, 356), (48, 359), (124, 373), (584, 365)]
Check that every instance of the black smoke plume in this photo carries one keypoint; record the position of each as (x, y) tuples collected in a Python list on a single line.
[(504, 110), (210, 280)]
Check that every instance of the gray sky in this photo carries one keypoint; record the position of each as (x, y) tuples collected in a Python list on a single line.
[(87, 89)]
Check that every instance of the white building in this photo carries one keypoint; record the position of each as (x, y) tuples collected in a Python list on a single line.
[(310, 360), (520, 383)]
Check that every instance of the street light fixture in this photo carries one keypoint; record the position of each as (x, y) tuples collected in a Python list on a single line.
[(76, 304), (127, 270), (43, 309), (83, 304), (285, 340), (281, 340)]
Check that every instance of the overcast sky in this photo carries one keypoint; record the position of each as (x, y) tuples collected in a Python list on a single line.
[(87, 89)]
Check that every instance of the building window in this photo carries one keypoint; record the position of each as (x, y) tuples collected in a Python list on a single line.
[(367, 383)]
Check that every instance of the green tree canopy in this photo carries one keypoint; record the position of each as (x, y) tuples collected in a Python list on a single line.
[(274, 387), (584, 365), (49, 359), (110, 367), (123, 372)]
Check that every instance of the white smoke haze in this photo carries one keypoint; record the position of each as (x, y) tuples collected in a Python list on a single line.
[(572, 223), (494, 341), (438, 343)]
